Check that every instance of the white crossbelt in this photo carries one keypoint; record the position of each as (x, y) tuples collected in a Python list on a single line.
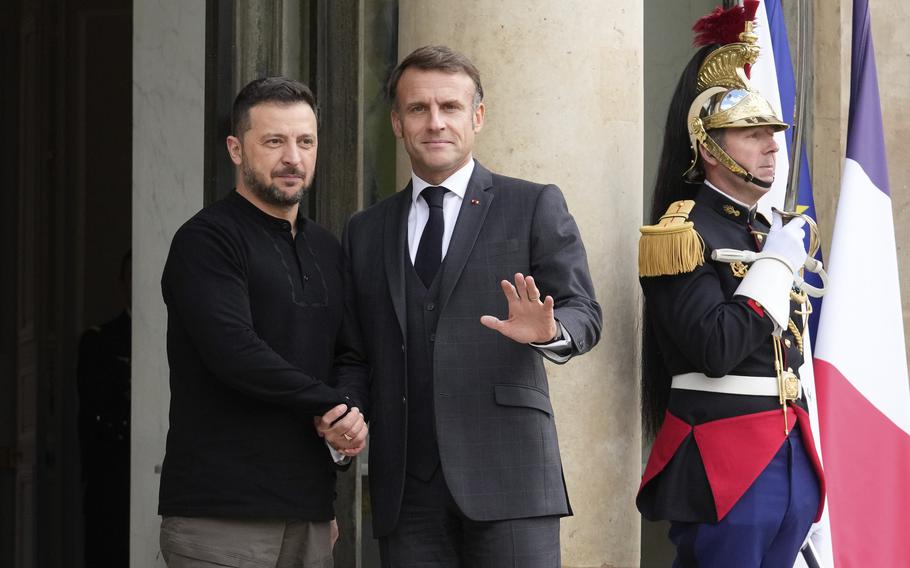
[(729, 384)]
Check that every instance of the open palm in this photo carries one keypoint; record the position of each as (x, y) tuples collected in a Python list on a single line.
[(530, 319)]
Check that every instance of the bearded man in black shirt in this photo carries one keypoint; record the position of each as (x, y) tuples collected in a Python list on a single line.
[(255, 323)]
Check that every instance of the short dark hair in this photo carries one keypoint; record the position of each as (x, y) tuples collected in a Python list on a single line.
[(277, 90), (436, 58)]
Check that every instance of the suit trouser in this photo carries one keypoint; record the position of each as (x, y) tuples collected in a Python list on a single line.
[(202, 542), (433, 532), (766, 527)]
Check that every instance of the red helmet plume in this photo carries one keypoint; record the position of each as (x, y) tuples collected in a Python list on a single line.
[(724, 26)]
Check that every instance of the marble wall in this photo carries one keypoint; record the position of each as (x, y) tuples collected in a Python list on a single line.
[(168, 145)]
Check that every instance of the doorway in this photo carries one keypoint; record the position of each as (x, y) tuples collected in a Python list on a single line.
[(66, 225)]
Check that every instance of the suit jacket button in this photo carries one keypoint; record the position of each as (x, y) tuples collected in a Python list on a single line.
[(402, 347), (431, 306), (404, 400)]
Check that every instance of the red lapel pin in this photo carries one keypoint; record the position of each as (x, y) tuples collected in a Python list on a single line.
[(475, 202)]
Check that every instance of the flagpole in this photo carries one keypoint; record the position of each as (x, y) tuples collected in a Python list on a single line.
[(804, 17)]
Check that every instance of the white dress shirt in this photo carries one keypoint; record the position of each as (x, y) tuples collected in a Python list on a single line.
[(457, 184)]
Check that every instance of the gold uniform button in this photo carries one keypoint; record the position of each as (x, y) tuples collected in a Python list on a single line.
[(787, 343)]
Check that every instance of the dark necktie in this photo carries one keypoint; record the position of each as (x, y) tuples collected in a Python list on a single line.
[(429, 251)]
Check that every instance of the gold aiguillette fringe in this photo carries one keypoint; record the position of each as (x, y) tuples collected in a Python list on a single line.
[(672, 246)]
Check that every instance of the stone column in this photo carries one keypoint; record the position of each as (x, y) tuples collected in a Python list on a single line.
[(168, 148), (563, 85), (827, 127)]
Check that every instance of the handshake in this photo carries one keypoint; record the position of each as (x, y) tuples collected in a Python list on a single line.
[(344, 429)]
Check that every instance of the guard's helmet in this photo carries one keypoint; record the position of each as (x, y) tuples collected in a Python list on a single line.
[(725, 97)]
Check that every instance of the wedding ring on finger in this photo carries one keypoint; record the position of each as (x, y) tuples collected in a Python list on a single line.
[(346, 437)]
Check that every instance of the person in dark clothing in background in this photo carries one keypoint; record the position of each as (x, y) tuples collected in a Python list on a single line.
[(255, 323), (103, 383)]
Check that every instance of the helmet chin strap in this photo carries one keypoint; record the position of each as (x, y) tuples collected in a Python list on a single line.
[(699, 135), (752, 179)]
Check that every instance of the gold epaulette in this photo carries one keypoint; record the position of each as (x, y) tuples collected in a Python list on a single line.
[(672, 246)]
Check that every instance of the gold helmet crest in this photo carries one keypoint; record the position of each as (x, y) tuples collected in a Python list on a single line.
[(725, 97)]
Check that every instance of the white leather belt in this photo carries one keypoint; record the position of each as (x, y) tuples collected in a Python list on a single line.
[(729, 384)]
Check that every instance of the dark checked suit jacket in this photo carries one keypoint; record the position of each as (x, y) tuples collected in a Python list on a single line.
[(494, 421)]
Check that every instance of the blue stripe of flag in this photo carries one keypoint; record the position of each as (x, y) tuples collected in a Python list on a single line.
[(865, 135)]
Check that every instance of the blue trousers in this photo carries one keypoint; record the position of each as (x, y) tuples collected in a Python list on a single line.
[(766, 527)]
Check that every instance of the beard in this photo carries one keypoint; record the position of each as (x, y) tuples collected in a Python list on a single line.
[(270, 193)]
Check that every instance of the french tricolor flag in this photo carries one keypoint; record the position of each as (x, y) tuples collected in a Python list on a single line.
[(773, 76), (860, 367), (860, 359)]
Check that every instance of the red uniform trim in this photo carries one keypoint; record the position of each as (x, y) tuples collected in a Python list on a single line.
[(757, 308), (734, 451), (668, 439)]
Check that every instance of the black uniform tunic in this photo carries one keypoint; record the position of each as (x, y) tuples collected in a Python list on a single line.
[(701, 326)]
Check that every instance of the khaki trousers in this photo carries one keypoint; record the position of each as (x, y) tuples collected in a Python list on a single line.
[(199, 542)]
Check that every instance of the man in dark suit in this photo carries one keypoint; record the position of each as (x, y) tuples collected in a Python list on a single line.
[(464, 461)]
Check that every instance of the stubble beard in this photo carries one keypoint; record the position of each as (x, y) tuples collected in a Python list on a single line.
[(270, 193)]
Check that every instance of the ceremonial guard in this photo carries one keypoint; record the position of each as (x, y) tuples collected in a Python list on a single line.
[(733, 464)]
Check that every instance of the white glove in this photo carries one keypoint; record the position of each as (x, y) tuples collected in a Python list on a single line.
[(770, 277), (787, 242)]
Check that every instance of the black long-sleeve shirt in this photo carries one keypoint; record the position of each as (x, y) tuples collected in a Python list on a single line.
[(255, 322)]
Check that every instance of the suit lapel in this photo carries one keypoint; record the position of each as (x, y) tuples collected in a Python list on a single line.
[(396, 234), (474, 208)]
